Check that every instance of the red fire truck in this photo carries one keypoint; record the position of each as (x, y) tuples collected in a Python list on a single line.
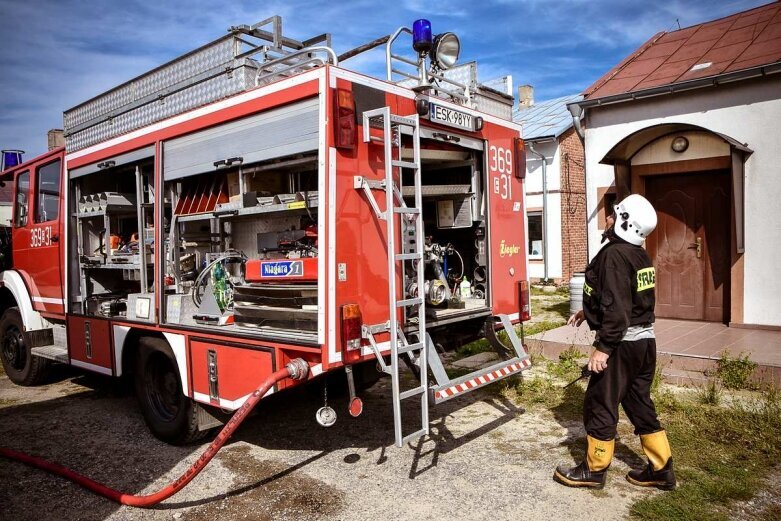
[(253, 202)]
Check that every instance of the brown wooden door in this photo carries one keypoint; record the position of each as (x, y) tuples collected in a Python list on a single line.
[(693, 210)]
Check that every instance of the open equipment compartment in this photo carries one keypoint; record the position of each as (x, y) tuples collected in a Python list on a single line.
[(112, 237), (453, 191), (242, 249)]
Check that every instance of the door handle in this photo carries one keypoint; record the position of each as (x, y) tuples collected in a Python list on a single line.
[(55, 238), (697, 245)]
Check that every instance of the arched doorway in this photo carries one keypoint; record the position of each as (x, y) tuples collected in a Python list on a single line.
[(694, 179)]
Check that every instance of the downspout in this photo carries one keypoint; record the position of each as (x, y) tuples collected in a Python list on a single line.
[(577, 112), (544, 210)]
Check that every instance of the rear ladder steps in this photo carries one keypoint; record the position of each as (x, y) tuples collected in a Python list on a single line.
[(410, 251), (447, 388)]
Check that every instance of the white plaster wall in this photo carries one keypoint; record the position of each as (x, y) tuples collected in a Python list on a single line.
[(533, 186), (749, 112)]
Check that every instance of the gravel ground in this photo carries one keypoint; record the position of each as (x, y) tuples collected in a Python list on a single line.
[(487, 458)]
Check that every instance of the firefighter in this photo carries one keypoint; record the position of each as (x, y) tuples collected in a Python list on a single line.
[(618, 303)]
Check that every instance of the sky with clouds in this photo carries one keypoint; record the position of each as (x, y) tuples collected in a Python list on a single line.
[(55, 54)]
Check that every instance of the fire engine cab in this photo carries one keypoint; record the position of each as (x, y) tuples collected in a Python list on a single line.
[(254, 202)]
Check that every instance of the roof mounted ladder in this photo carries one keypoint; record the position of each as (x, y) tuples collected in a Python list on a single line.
[(411, 251)]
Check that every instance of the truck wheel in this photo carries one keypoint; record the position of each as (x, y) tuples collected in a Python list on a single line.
[(366, 375), (169, 414), (19, 364)]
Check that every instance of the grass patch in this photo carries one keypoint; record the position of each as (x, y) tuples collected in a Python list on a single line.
[(734, 373), (771, 513), (481, 345), (709, 394), (569, 364), (722, 455), (562, 291), (472, 348)]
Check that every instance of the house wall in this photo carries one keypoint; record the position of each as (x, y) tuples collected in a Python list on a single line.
[(567, 234), (749, 112), (533, 188), (574, 235)]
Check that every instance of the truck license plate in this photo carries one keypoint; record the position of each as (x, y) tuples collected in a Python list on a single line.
[(451, 118)]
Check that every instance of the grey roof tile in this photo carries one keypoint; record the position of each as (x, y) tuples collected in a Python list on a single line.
[(546, 119)]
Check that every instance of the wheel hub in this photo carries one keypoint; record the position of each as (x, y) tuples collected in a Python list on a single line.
[(14, 349), (162, 388)]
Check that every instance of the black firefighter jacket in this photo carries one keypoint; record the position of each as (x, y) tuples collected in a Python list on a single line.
[(618, 292)]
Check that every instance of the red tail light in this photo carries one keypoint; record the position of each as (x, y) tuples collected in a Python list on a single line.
[(344, 120), (524, 301), (351, 327), (519, 149)]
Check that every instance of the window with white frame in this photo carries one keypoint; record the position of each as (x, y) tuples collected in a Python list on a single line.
[(535, 235)]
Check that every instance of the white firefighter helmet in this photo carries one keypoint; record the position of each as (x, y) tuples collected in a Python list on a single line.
[(635, 219)]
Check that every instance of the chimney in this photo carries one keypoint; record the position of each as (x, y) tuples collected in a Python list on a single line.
[(525, 96), (56, 138)]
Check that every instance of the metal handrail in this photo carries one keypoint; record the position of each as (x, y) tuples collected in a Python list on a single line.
[(388, 55), (334, 59)]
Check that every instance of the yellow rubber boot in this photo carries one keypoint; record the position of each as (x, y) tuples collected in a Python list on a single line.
[(593, 471), (659, 472)]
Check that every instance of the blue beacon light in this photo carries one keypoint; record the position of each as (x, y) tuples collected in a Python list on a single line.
[(422, 39), (11, 158)]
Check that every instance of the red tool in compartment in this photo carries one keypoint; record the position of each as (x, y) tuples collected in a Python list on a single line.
[(285, 270)]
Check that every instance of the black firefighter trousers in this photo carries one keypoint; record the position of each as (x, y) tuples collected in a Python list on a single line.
[(626, 381)]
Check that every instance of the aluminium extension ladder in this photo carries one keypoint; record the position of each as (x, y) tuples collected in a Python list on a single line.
[(411, 251)]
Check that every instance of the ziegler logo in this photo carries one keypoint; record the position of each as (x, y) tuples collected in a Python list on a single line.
[(282, 269), (508, 250)]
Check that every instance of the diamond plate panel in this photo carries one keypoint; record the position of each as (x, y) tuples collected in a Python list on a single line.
[(197, 95), (465, 74), (500, 109), (215, 54)]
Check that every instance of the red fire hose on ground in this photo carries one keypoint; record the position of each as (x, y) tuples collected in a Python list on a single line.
[(296, 369)]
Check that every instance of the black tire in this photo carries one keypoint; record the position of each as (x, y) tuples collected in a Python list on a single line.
[(19, 363), (170, 415), (366, 375)]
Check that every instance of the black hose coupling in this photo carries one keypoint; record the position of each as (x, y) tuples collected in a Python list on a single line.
[(298, 369)]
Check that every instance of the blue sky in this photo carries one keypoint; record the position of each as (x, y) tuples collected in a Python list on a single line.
[(55, 54)]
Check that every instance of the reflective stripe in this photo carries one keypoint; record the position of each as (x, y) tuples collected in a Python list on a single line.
[(49, 300)]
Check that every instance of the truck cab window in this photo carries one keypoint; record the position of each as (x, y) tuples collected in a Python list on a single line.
[(48, 190), (22, 197)]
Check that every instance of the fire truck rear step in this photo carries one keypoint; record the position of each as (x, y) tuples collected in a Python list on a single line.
[(478, 379), (56, 353), (51, 343), (447, 388)]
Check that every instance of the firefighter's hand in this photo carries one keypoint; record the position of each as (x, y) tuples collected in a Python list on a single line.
[(598, 361), (576, 319)]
